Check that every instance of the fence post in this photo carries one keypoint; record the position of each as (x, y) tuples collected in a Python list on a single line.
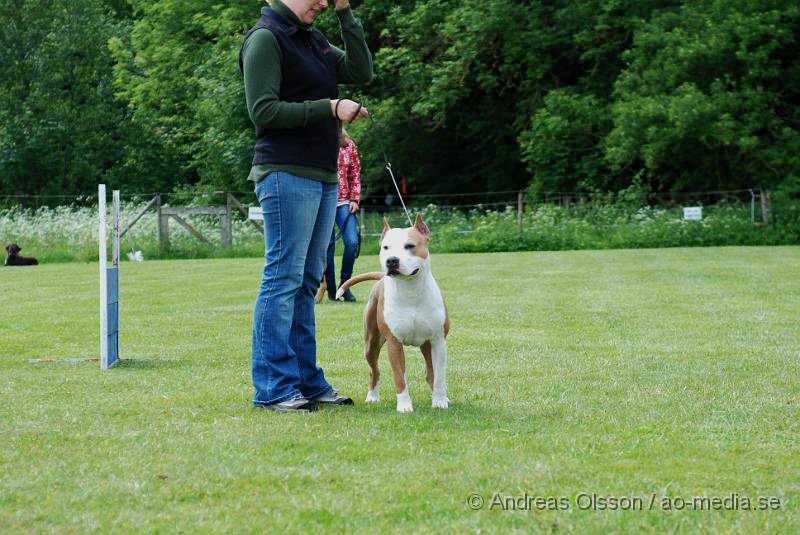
[(361, 219), (158, 218), (227, 223), (244, 212), (520, 195), (766, 207), (162, 227)]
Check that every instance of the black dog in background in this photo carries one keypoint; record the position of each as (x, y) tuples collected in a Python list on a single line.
[(14, 259)]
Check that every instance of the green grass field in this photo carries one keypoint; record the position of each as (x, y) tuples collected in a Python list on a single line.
[(641, 376)]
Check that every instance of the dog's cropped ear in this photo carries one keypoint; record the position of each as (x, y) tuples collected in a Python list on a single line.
[(385, 227), (421, 227), (8, 248)]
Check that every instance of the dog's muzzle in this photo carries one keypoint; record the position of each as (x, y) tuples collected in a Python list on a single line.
[(393, 265)]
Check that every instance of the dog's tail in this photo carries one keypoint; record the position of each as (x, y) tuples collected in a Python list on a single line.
[(323, 286), (372, 276)]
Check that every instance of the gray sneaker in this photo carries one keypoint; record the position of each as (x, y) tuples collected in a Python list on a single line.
[(332, 397), (295, 404)]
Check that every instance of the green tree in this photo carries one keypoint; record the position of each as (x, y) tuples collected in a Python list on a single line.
[(563, 143), (469, 95), (563, 147), (54, 121), (61, 131), (179, 74), (450, 77), (709, 99), (490, 95)]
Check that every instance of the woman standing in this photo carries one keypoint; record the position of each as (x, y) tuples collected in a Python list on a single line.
[(349, 195), (291, 77)]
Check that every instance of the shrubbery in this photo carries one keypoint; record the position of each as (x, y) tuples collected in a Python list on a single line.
[(606, 226), (69, 233)]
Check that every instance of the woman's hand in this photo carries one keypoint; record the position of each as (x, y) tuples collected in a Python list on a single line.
[(348, 111), (353, 207), (341, 4)]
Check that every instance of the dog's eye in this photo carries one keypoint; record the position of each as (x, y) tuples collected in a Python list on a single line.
[(385, 247), (409, 246)]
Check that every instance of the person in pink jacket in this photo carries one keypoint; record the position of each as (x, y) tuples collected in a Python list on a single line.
[(349, 196)]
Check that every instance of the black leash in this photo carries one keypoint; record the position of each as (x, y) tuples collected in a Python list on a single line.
[(372, 127), (388, 164)]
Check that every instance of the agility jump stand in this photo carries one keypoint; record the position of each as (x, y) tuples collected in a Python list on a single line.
[(109, 282)]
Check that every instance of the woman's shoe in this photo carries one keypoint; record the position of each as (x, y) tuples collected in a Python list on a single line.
[(332, 397), (295, 404)]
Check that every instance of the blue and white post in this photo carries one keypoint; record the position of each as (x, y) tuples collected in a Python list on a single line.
[(109, 283)]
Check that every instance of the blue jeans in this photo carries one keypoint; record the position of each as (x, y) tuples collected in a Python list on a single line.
[(349, 226), (298, 219)]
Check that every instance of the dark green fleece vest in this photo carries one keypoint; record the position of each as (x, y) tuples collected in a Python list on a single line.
[(308, 72)]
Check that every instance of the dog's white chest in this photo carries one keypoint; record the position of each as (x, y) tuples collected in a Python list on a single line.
[(414, 318)]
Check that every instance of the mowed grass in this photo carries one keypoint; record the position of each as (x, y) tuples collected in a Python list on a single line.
[(649, 374)]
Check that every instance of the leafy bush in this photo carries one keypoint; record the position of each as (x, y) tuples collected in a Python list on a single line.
[(69, 233), (602, 224)]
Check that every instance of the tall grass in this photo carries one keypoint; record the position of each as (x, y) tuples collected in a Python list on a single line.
[(605, 226), (69, 233)]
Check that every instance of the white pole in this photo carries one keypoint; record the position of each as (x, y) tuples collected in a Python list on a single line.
[(101, 211)]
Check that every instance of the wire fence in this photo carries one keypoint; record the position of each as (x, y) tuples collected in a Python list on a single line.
[(201, 223), (388, 202), (754, 203)]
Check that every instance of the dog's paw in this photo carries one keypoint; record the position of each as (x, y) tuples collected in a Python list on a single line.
[(439, 402), (373, 396), (404, 402), (404, 406)]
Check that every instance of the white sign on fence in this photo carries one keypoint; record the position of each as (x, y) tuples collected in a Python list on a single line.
[(255, 213), (692, 213)]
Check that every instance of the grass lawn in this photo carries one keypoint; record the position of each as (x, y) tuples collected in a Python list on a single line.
[(644, 377)]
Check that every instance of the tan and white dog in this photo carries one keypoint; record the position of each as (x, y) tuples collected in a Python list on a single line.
[(405, 308)]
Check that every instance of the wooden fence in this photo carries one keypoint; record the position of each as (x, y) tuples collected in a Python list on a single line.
[(177, 213), (225, 213)]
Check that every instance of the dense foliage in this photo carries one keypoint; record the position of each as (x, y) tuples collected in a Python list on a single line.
[(68, 233), (469, 95)]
